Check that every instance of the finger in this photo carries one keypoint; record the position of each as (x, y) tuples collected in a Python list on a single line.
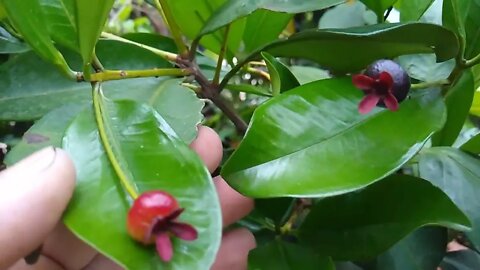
[(209, 147), (43, 263), (33, 196), (61, 244), (102, 263), (233, 253), (233, 204)]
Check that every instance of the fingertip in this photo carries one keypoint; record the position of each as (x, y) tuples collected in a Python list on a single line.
[(234, 205), (208, 146), (33, 195), (233, 253)]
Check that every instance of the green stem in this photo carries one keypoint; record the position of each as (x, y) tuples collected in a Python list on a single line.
[(99, 117), (472, 62), (164, 54), (430, 84), (110, 75), (221, 56), (163, 8)]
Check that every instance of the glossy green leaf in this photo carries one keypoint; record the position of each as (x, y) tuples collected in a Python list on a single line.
[(10, 44), (191, 18), (424, 67), (461, 260), (379, 6), (60, 17), (281, 255), (459, 100), (422, 249), (458, 175), (233, 10), (91, 18), (263, 27), (156, 159), (412, 10), (361, 46), (361, 225), (305, 74), (282, 79), (305, 139), (48, 131), (29, 20)]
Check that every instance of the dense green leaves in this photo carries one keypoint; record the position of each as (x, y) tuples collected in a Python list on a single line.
[(233, 10), (29, 20), (48, 131), (305, 139), (361, 46), (91, 18), (281, 255), (454, 15), (281, 77), (422, 249), (458, 175), (152, 157), (459, 100), (60, 18), (361, 225), (412, 10)]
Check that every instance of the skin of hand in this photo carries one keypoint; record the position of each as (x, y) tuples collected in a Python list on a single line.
[(35, 192)]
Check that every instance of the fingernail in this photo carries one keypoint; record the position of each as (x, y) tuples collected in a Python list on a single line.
[(40, 160)]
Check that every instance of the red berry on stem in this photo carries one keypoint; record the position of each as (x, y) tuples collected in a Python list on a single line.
[(152, 219)]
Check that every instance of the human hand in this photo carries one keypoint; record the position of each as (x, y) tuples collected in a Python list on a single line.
[(35, 192)]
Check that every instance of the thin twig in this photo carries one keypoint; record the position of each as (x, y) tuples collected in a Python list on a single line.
[(221, 56)]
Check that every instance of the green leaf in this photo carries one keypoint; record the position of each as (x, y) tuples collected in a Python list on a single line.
[(454, 15), (349, 14), (422, 249), (363, 45), (29, 20), (195, 16), (10, 44), (263, 27), (461, 260), (91, 18), (458, 175), (360, 225), (424, 67), (304, 139), (412, 10), (472, 145), (379, 6), (154, 159), (233, 10), (306, 74), (61, 22), (48, 131), (281, 255), (472, 29), (282, 78), (278, 210), (459, 100)]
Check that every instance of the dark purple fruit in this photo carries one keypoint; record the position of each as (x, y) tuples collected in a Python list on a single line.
[(385, 83)]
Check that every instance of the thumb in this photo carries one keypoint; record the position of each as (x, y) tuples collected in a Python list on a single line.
[(33, 196)]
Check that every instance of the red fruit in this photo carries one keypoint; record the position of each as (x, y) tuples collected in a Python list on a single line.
[(152, 219)]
